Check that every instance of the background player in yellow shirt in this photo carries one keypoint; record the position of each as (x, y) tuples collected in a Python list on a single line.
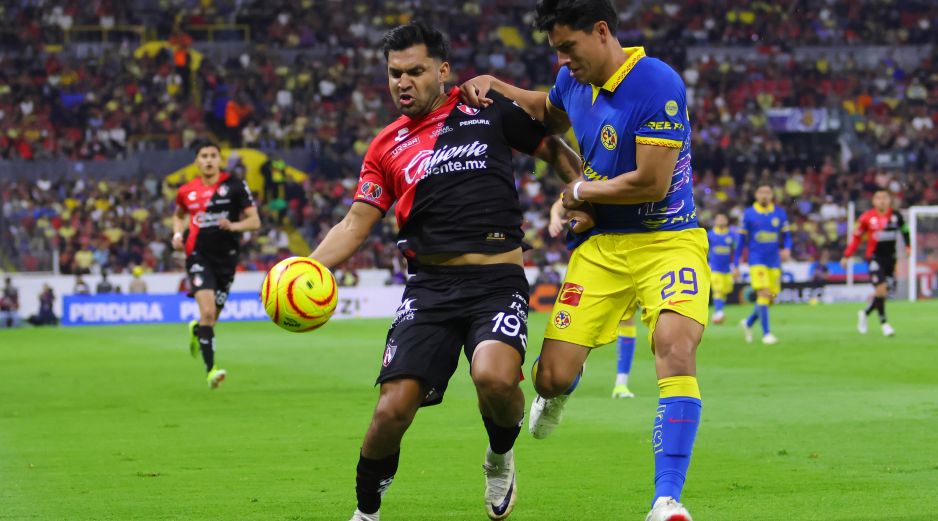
[(629, 115)]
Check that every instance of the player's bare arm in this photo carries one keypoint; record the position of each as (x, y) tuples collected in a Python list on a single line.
[(179, 226), (474, 92), (344, 239), (648, 183), (555, 151), (250, 221)]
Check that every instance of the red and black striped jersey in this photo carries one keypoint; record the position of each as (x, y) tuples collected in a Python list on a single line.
[(450, 175), (206, 205), (882, 231)]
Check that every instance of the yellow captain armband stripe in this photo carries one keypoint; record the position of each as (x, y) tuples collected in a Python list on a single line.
[(658, 142), (555, 107), (679, 386)]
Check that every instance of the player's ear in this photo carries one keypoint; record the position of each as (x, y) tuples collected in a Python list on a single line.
[(444, 72), (602, 30)]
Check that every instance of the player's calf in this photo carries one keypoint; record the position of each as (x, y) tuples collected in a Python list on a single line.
[(679, 405), (377, 464)]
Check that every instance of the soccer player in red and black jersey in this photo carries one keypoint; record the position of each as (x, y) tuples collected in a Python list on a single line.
[(220, 208), (882, 225), (447, 170)]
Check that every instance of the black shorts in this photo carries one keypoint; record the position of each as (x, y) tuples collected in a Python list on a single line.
[(883, 270), (447, 307), (205, 273)]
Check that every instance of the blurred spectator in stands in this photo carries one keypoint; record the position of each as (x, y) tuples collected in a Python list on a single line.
[(9, 304), (46, 315), (137, 284), (104, 286), (81, 288), (236, 111), (548, 275), (274, 172), (346, 277)]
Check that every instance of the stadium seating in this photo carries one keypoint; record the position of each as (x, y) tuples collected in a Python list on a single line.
[(159, 85)]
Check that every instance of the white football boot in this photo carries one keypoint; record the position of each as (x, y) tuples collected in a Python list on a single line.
[(747, 331), (862, 326), (667, 509), (888, 330), (361, 516), (769, 339), (501, 490), (545, 415)]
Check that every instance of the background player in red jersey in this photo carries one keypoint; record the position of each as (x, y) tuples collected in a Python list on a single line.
[(220, 207), (446, 168), (882, 226)]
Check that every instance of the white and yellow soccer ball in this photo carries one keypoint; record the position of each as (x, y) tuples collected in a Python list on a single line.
[(299, 294)]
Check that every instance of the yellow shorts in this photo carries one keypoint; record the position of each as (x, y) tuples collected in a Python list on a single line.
[(610, 274), (721, 283), (764, 277)]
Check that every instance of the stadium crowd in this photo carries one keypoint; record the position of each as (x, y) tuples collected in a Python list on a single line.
[(307, 86)]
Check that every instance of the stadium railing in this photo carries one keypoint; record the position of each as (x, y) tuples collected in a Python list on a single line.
[(219, 32), (102, 34)]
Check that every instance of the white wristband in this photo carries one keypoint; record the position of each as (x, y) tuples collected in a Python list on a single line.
[(576, 191), (177, 234)]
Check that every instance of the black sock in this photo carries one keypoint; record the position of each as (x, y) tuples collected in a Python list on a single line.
[(372, 480), (872, 307), (881, 307), (501, 439), (206, 336)]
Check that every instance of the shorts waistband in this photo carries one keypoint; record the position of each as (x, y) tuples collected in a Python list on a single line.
[(471, 270)]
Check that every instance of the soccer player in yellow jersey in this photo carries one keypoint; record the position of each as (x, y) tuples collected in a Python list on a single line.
[(629, 114)]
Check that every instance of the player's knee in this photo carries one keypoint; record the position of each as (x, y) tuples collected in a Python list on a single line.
[(676, 354), (492, 385), (550, 383), (207, 316), (392, 417)]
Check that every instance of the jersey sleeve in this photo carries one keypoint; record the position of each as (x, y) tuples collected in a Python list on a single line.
[(180, 197), (903, 228), (245, 197), (786, 230), (742, 236), (522, 132), (857, 236), (559, 90), (663, 119), (374, 187)]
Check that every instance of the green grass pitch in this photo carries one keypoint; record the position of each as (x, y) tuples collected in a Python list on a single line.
[(115, 423)]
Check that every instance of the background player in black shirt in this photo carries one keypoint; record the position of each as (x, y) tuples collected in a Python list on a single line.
[(446, 169), (220, 207)]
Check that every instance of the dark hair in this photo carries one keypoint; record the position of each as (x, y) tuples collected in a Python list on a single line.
[(198, 145), (580, 15), (416, 33)]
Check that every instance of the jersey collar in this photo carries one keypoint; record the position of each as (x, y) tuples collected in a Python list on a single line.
[(634, 54), (720, 231), (764, 209)]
